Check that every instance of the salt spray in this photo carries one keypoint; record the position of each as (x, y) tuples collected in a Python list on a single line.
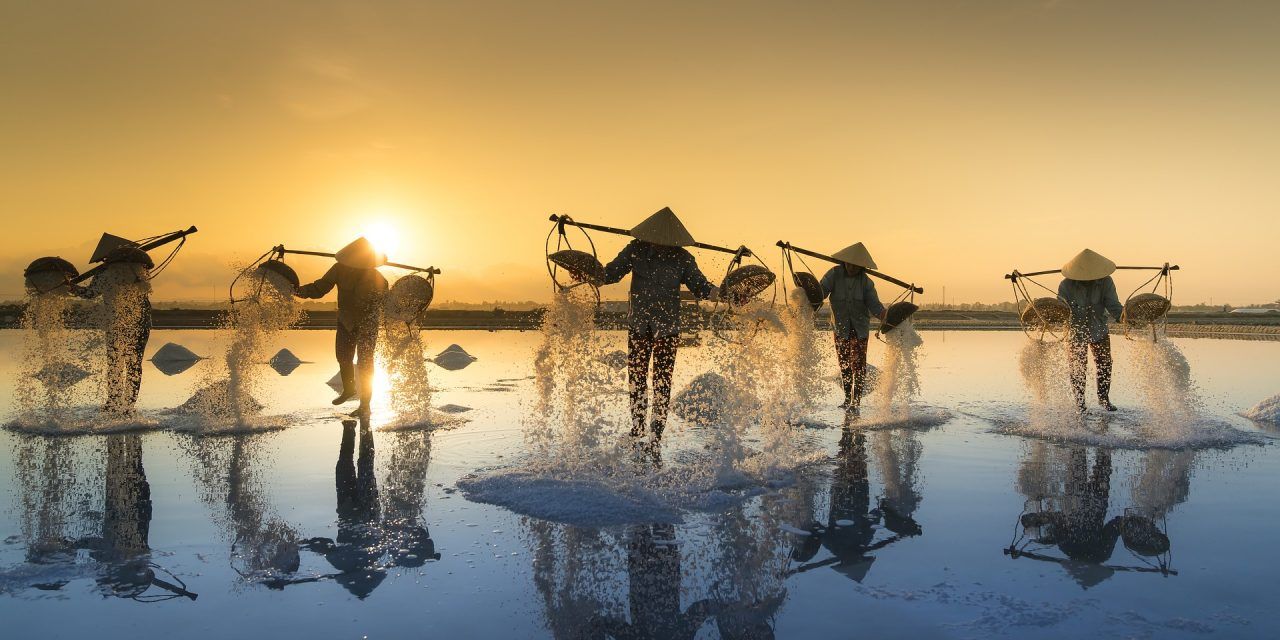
[(225, 398), (899, 379), (1163, 483), (1044, 369), (1162, 376), (897, 454), (52, 353), (401, 351)]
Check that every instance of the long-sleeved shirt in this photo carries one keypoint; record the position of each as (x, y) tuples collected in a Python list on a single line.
[(853, 301), (656, 275), (360, 293), (1090, 301)]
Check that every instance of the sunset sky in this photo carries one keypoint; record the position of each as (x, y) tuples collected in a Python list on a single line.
[(958, 140)]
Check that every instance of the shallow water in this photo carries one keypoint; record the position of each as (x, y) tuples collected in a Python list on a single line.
[(904, 531)]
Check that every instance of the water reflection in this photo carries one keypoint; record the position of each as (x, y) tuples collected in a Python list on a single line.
[(1068, 498), (377, 532), (852, 525), (262, 544), (65, 513)]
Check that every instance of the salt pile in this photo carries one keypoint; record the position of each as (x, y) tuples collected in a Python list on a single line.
[(704, 400), (284, 362), (172, 359), (173, 352), (453, 358), (615, 359), (1266, 411), (61, 376)]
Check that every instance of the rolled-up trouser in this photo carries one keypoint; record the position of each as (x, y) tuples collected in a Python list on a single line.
[(852, 354), (1079, 361), (644, 347), (125, 346), (363, 343)]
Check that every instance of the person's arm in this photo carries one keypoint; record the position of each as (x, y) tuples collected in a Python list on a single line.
[(874, 306), (320, 288), (620, 266), (1111, 299), (695, 281), (828, 283)]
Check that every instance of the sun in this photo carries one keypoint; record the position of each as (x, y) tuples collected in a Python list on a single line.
[(384, 237)]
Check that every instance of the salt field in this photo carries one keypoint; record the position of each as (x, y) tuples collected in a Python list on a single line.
[(494, 494)]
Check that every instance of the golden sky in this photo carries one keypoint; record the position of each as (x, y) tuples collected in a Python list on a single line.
[(958, 140)]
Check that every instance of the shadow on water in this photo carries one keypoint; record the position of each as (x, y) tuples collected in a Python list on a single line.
[(1068, 492)]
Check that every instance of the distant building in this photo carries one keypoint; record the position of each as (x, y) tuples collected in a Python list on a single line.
[(1256, 312)]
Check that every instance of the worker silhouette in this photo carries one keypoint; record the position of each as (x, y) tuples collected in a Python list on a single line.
[(361, 289), (659, 265), (124, 288), (853, 302), (357, 550), (1088, 289)]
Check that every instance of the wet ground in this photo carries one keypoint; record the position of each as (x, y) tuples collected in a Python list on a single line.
[(326, 530)]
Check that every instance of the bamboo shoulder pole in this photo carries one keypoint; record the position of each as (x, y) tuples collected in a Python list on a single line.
[(158, 242), (814, 254), (624, 232), (1019, 274), (322, 254)]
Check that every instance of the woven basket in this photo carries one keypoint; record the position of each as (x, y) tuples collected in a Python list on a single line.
[(1144, 308), (1046, 312), (582, 266)]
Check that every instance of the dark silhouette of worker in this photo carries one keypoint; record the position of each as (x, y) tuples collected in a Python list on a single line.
[(124, 287), (360, 299), (659, 264), (853, 302), (357, 551), (1088, 289)]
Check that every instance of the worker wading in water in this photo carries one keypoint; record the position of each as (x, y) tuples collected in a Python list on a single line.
[(853, 302), (1091, 293), (360, 295), (658, 265), (125, 290)]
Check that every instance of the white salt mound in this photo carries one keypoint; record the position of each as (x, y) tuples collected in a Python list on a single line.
[(284, 357), (1266, 411), (214, 399), (453, 360), (615, 359), (173, 352), (453, 348), (62, 375), (704, 400)]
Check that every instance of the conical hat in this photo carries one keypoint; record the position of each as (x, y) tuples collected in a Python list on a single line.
[(1088, 265), (856, 254), (361, 255), (663, 228)]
